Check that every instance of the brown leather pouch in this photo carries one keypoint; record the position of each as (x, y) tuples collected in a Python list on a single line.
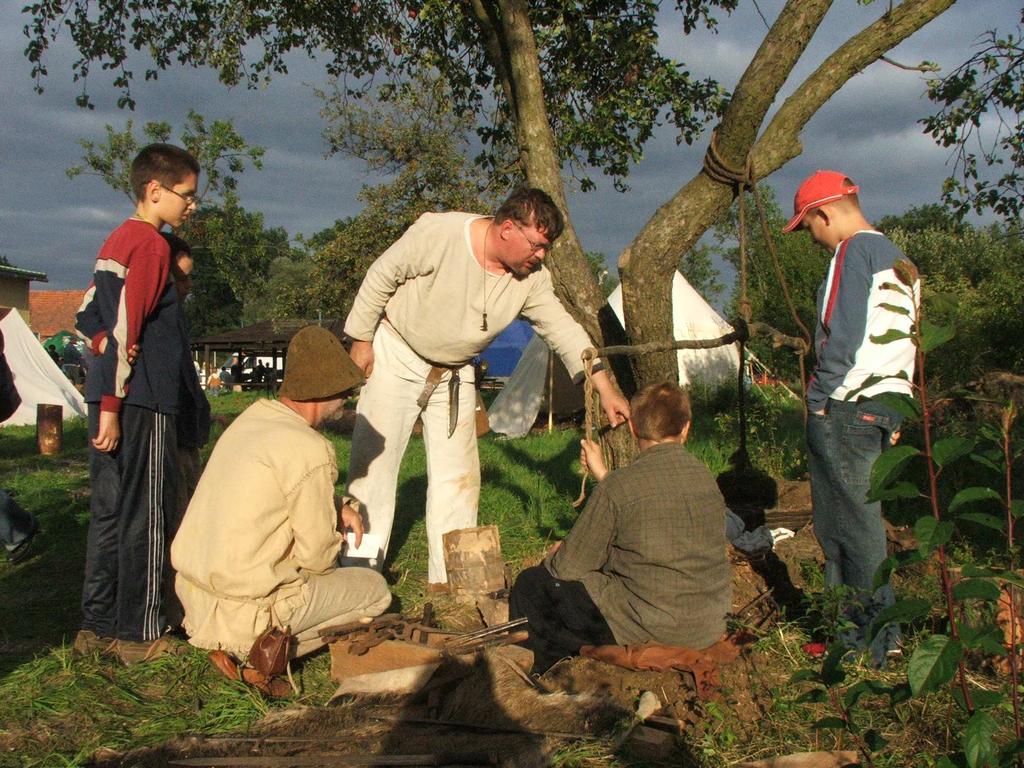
[(483, 423), (271, 650)]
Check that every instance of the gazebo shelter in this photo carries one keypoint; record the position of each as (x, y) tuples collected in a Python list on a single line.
[(267, 338)]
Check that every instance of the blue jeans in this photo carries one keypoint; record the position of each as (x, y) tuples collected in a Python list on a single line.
[(843, 444)]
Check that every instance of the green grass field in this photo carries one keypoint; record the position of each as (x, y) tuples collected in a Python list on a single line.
[(58, 711)]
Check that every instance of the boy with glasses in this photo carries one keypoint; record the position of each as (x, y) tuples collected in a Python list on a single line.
[(132, 409)]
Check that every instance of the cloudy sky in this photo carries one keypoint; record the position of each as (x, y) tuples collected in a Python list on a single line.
[(56, 225)]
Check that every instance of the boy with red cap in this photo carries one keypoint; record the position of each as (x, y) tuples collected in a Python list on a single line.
[(847, 426)]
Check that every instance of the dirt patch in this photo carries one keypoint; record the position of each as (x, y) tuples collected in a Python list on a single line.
[(486, 710), (475, 712)]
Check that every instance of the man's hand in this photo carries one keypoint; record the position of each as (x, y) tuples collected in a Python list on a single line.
[(350, 519), (894, 437), (109, 434), (614, 405), (362, 355), (592, 459), (133, 350), (554, 547)]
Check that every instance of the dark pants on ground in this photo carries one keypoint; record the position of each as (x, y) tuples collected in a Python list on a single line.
[(562, 616), (842, 446), (16, 524), (133, 498)]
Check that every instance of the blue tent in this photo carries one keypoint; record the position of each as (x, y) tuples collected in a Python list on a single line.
[(503, 354)]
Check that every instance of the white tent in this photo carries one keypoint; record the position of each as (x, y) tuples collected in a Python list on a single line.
[(515, 409), (36, 377)]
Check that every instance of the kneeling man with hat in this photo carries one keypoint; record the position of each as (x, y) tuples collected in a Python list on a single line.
[(259, 543)]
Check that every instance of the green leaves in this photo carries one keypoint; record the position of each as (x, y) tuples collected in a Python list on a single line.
[(933, 336), (890, 336), (973, 495), (902, 611), (890, 463), (976, 589), (950, 449), (931, 534), (979, 748), (933, 664), (905, 405)]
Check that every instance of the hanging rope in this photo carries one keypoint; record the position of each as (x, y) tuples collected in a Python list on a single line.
[(717, 169), (588, 417)]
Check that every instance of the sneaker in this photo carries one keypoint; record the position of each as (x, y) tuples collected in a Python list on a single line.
[(139, 651), (88, 642), (814, 650)]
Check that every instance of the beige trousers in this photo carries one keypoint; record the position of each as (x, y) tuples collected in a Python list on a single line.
[(339, 597), (385, 417)]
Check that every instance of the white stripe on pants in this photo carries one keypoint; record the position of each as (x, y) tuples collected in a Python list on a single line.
[(385, 417)]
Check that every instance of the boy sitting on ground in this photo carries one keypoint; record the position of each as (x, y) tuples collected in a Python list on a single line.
[(646, 560)]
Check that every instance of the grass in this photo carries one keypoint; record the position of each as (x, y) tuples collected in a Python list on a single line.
[(59, 711)]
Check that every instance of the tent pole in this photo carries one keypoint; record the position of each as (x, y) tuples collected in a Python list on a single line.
[(551, 391)]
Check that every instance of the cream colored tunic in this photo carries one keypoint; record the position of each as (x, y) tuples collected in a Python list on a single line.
[(262, 520), (434, 293)]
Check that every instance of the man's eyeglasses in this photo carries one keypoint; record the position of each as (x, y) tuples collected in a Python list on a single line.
[(533, 246), (190, 198)]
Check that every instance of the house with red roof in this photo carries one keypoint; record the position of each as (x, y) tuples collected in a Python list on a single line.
[(53, 311)]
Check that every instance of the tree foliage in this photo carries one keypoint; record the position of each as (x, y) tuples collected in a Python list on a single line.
[(978, 269), (234, 252), (413, 133), (221, 151), (574, 84), (982, 117), (607, 83), (803, 265)]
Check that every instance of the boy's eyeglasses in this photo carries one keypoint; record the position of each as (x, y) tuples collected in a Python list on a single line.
[(190, 198), (533, 246)]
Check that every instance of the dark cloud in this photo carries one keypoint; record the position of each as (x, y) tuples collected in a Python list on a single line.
[(56, 225)]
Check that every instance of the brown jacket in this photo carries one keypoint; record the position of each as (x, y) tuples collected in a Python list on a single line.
[(650, 549)]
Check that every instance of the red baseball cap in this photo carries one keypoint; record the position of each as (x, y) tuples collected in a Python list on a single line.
[(819, 188)]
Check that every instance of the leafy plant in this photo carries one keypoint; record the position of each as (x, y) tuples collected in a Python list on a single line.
[(939, 662)]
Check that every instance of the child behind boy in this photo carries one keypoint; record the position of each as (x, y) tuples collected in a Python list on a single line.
[(646, 560), (132, 408)]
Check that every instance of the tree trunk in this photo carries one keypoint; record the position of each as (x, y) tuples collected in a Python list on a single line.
[(511, 33), (647, 265)]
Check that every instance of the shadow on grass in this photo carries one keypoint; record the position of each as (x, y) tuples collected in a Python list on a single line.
[(39, 598), (555, 471)]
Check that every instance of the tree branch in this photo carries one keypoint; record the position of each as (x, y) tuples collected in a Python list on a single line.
[(780, 142), (924, 66)]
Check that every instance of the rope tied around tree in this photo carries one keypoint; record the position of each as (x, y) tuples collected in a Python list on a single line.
[(718, 170)]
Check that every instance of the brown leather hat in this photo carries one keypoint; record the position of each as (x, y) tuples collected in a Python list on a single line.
[(318, 366)]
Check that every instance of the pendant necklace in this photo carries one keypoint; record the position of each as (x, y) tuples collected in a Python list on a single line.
[(487, 293)]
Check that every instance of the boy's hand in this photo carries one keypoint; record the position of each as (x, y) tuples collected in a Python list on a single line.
[(349, 518), (133, 350), (109, 434), (591, 459), (362, 355)]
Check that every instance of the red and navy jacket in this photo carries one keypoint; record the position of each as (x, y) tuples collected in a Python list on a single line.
[(132, 300)]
